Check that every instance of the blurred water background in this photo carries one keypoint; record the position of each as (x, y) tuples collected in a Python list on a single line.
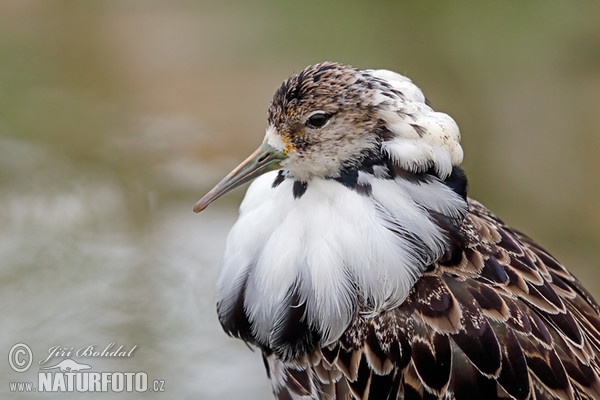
[(115, 116)]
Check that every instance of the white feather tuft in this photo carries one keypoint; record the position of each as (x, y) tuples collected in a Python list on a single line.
[(423, 138), (333, 245)]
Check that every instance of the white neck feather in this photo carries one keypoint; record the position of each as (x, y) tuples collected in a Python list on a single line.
[(337, 248)]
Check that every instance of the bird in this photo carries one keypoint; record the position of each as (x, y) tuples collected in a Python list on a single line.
[(361, 269)]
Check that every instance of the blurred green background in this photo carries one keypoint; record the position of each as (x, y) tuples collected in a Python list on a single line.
[(115, 116)]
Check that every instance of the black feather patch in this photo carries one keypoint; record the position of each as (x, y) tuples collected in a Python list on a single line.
[(348, 178), (298, 381), (467, 383), (278, 179), (411, 393), (234, 320), (539, 329), (299, 189), (433, 363), (384, 387), (493, 271), (370, 160), (349, 175), (330, 355), (400, 352), (451, 226), (509, 242), (488, 299), (377, 357), (457, 181), (514, 377), (565, 324), (395, 171), (361, 384), (482, 349), (549, 370), (291, 335)]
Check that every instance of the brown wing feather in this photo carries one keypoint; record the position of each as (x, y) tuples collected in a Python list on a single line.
[(506, 321)]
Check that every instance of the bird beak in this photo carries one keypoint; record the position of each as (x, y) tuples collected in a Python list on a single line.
[(266, 158)]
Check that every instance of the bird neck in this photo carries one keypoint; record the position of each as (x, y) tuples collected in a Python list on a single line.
[(304, 257)]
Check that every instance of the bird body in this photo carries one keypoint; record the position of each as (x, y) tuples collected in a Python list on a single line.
[(362, 270)]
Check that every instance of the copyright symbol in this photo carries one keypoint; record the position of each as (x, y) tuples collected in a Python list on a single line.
[(20, 357)]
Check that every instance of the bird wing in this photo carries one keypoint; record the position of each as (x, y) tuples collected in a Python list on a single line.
[(503, 320)]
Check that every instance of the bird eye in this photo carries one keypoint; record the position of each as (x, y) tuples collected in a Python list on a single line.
[(317, 120)]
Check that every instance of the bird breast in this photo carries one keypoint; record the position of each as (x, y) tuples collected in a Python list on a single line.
[(329, 251)]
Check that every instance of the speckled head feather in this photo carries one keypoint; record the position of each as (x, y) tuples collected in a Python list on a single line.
[(363, 112), (317, 87)]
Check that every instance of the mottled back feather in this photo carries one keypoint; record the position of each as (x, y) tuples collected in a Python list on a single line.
[(505, 321)]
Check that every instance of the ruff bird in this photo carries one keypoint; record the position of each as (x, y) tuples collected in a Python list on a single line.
[(361, 269)]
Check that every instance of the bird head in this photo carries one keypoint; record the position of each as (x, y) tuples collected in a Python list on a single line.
[(332, 117)]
